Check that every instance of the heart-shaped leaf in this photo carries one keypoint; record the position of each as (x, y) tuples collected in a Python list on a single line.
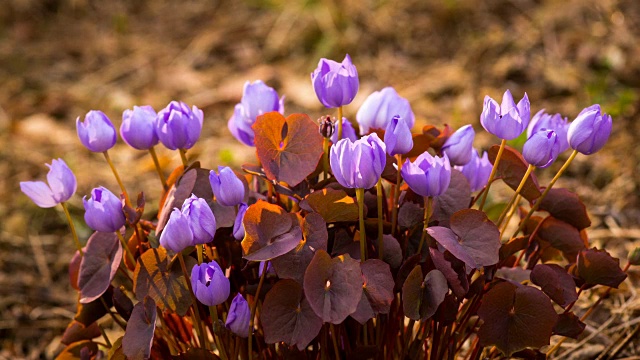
[(565, 205), (597, 267), (333, 286), (92, 311), (456, 198), (289, 149), (165, 283), (377, 290), (569, 325), (515, 317), (555, 282), (138, 336), (332, 205), (422, 296), (122, 303), (76, 331), (269, 232), (561, 236), (511, 170), (99, 264), (287, 316), (457, 279)]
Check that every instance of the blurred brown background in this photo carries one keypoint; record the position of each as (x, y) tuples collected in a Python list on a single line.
[(61, 58)]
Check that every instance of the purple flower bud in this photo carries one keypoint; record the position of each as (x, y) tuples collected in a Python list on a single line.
[(202, 222), (477, 170), (590, 130), (103, 211), (176, 235), (96, 132), (348, 132), (228, 189), (238, 228), (508, 120), (459, 145), (257, 99), (544, 121), (428, 175), (209, 284), (358, 164), (542, 148), (380, 107), (138, 127), (239, 316), (62, 185), (397, 137), (179, 127), (336, 84)]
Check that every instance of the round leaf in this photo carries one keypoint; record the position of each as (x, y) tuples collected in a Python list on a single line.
[(511, 170), (555, 282), (421, 298), (456, 198), (99, 264), (478, 235), (332, 205), (565, 205), (597, 267), (138, 336)]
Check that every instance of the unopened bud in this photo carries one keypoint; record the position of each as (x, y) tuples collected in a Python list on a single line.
[(326, 126)]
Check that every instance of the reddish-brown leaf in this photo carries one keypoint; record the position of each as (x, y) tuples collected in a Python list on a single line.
[(478, 235), (85, 350), (456, 198), (269, 232), (332, 205), (289, 149), (74, 269), (194, 180), (562, 236), (91, 312), (99, 264), (76, 331), (377, 290), (569, 325), (122, 303), (422, 296), (597, 267), (511, 170), (457, 277), (138, 336), (556, 282), (565, 205)]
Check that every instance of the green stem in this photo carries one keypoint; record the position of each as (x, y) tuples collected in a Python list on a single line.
[(427, 209), (380, 220), (546, 191), (213, 312), (195, 309), (154, 156), (115, 173), (396, 197), (517, 193), (363, 236), (254, 306), (76, 241), (183, 157), (199, 251), (130, 256), (325, 158), (339, 123), (510, 215), (493, 172)]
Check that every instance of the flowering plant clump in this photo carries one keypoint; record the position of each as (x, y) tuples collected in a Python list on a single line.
[(335, 244)]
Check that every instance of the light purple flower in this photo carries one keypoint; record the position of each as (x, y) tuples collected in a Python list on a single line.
[(335, 84), (177, 234), (96, 132), (358, 164), (590, 130), (238, 228), (103, 211), (209, 284), (239, 316), (507, 120), (477, 170), (544, 121), (428, 175), (459, 145), (257, 99), (62, 185), (202, 222), (397, 136), (138, 127), (227, 187), (348, 132), (380, 107), (179, 127), (542, 148)]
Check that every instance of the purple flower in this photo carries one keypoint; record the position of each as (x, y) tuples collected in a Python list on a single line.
[(477, 170), (459, 145), (257, 99), (179, 127), (177, 234), (428, 175), (239, 316), (348, 132), (62, 185), (542, 148), (336, 84), (358, 164), (508, 120), (544, 121), (103, 211), (138, 127), (397, 136), (227, 187), (96, 132), (202, 222), (209, 284), (590, 130), (380, 107), (238, 228)]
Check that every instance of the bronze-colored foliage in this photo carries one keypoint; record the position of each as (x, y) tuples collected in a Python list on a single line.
[(101, 259), (421, 296), (332, 205), (138, 336), (511, 170)]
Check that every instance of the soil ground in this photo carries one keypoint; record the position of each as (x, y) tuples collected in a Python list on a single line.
[(61, 58)]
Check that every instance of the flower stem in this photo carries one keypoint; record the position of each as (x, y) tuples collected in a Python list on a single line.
[(73, 228), (334, 340), (254, 306), (213, 312), (427, 210), (546, 191), (363, 236), (339, 123), (380, 220), (396, 197), (516, 202), (132, 259), (154, 156), (195, 309), (183, 157), (517, 193), (493, 172), (199, 251), (325, 158), (115, 173)]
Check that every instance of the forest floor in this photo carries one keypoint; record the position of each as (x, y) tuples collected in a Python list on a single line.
[(61, 58)]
